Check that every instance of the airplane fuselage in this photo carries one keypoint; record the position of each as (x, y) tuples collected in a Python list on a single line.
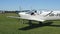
[(40, 17)]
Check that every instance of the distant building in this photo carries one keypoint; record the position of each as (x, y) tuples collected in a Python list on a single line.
[(9, 11), (2, 11)]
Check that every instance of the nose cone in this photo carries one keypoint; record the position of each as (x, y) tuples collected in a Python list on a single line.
[(21, 13)]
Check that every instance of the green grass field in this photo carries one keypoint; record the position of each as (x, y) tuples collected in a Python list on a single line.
[(15, 26)]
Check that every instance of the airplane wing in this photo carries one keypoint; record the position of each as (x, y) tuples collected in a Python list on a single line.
[(34, 19), (13, 17)]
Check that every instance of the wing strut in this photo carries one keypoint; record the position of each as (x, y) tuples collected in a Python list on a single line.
[(49, 13)]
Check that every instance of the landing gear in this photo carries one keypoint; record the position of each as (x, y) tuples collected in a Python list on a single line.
[(40, 22), (30, 22)]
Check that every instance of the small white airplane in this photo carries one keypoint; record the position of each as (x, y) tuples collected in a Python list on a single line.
[(39, 16)]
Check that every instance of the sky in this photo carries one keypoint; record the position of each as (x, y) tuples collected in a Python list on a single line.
[(29, 4)]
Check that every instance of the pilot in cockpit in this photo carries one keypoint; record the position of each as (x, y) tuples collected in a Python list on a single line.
[(34, 13)]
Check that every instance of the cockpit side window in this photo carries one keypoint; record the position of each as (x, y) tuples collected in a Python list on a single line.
[(32, 13), (35, 11)]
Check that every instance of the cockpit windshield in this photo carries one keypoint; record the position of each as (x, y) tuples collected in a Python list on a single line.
[(29, 12)]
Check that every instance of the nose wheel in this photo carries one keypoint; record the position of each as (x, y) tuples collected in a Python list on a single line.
[(30, 22), (40, 22)]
